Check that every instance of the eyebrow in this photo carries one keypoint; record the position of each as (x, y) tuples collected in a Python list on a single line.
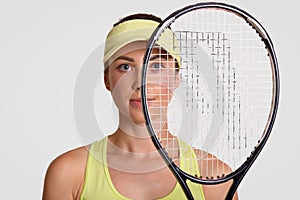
[(125, 58), (151, 58), (159, 56)]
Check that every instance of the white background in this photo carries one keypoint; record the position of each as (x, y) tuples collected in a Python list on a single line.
[(43, 46)]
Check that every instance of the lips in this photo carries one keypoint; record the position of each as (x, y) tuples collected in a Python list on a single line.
[(136, 102)]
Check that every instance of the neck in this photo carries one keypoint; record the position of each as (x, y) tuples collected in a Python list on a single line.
[(132, 155), (131, 143), (134, 137), (133, 129)]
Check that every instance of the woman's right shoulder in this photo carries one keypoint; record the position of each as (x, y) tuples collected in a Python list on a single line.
[(77, 155), (66, 173), (71, 163)]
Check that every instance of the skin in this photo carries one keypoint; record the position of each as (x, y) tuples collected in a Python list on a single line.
[(64, 179)]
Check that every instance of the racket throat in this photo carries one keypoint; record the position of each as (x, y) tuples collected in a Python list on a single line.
[(181, 180)]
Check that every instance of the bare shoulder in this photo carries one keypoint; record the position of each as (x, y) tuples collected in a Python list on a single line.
[(65, 175), (211, 167)]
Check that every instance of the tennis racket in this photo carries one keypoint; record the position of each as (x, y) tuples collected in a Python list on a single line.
[(210, 86)]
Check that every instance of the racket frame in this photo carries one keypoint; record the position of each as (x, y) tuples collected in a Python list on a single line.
[(239, 173)]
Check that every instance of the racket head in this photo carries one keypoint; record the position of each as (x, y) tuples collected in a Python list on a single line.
[(217, 90)]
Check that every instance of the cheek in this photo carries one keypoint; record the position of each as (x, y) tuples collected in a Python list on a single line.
[(166, 79), (120, 86), (116, 82), (161, 92)]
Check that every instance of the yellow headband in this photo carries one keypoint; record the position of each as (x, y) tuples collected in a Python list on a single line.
[(138, 30)]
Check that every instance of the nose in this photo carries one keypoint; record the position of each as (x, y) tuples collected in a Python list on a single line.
[(136, 85)]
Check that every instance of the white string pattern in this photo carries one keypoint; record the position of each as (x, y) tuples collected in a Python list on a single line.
[(222, 103)]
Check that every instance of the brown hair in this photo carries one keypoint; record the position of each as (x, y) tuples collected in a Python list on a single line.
[(139, 16)]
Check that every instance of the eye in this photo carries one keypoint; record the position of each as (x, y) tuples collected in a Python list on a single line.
[(125, 67), (156, 66)]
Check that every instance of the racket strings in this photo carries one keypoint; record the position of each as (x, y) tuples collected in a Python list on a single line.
[(222, 104)]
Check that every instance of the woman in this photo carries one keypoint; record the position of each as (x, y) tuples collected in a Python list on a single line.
[(126, 165)]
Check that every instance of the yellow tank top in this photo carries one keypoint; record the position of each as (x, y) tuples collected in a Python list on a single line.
[(96, 188)]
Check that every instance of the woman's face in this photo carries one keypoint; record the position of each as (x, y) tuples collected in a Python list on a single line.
[(123, 79)]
